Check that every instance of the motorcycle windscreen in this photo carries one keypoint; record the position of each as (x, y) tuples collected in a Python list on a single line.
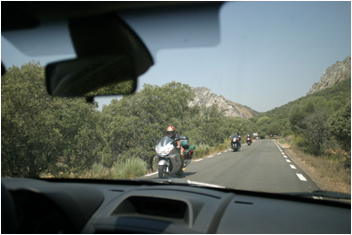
[(165, 141)]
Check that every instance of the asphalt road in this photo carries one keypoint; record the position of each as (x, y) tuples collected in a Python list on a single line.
[(262, 166)]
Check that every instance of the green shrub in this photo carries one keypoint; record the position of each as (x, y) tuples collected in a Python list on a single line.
[(131, 168)]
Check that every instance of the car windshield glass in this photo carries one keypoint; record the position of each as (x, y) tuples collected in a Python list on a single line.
[(280, 71)]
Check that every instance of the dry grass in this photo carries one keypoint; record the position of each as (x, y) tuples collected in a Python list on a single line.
[(329, 174)]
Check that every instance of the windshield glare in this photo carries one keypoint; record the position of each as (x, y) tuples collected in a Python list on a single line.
[(277, 70)]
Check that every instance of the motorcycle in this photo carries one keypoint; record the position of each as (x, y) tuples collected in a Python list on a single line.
[(235, 143), (249, 140), (169, 160)]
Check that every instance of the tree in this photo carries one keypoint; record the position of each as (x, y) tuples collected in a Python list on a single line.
[(316, 131), (274, 129), (41, 133), (296, 117), (339, 125)]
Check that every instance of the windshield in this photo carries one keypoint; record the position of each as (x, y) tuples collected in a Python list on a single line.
[(277, 70), (165, 141)]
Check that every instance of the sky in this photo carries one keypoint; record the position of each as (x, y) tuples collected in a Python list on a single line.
[(268, 53)]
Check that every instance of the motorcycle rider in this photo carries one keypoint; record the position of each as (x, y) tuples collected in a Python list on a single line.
[(238, 136), (170, 130), (249, 136)]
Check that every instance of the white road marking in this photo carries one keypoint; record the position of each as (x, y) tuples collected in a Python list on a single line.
[(285, 156), (318, 198), (288, 160), (293, 167), (152, 174), (218, 154), (301, 177), (198, 160), (209, 185), (283, 153), (210, 156)]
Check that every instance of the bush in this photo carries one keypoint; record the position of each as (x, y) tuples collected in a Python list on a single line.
[(98, 171), (201, 151), (131, 168)]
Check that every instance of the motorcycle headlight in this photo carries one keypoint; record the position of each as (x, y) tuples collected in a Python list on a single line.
[(163, 151)]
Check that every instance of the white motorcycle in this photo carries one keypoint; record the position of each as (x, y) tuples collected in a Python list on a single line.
[(169, 161)]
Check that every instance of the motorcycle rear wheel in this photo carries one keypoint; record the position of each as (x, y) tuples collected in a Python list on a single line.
[(162, 172)]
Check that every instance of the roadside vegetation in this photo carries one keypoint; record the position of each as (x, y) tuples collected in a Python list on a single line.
[(331, 168)]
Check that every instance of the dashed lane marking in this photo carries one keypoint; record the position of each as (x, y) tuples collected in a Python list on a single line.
[(198, 160), (285, 156), (210, 156), (293, 167), (288, 160), (152, 174), (301, 177)]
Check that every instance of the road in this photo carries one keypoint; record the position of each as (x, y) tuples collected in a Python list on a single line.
[(262, 166)]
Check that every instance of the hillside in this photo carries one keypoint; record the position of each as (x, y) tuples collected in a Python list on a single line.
[(336, 73), (204, 96), (333, 97)]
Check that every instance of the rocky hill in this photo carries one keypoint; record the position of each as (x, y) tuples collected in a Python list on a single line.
[(204, 96), (336, 73)]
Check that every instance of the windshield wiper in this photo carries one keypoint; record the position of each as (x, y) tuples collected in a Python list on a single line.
[(319, 194)]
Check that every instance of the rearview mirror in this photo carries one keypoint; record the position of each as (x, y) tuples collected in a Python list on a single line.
[(92, 76), (110, 57)]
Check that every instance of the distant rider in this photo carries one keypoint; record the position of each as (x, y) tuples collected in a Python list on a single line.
[(171, 133), (238, 136), (249, 136)]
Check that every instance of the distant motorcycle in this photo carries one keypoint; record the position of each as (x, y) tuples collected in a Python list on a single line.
[(235, 143), (249, 140)]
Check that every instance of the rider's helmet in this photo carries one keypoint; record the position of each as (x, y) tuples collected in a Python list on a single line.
[(236, 133), (170, 131)]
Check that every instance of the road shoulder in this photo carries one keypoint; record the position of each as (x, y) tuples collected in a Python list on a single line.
[(306, 168)]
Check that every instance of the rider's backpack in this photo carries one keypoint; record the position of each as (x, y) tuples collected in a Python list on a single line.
[(184, 141)]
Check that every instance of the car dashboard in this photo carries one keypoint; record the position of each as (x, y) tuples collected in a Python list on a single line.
[(95, 206)]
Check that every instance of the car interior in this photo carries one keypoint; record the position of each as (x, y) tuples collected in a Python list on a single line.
[(109, 52)]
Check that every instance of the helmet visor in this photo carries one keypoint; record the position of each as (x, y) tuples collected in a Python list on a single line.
[(169, 133)]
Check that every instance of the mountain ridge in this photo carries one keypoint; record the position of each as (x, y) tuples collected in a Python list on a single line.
[(336, 73), (204, 96)]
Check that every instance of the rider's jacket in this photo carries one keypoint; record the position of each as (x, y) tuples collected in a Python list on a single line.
[(175, 137)]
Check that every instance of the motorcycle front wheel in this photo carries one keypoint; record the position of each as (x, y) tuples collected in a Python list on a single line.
[(162, 171), (234, 147)]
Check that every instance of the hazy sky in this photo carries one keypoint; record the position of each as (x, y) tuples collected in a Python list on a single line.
[(269, 53)]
